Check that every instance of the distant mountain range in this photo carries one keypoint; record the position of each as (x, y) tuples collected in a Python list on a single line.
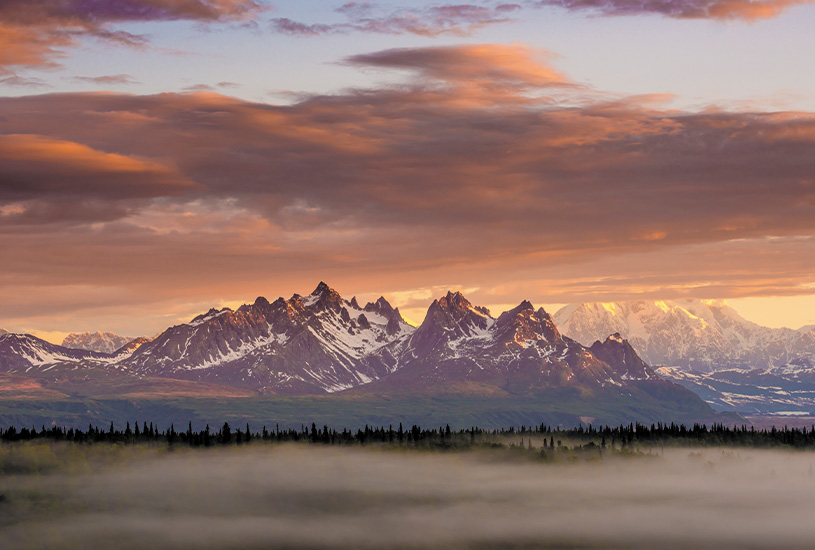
[(106, 342), (706, 346), (703, 335), (322, 344)]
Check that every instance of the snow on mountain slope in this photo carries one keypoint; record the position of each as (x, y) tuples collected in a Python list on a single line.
[(706, 335), (321, 343), (24, 351), (521, 349), (106, 342), (758, 391), (300, 345)]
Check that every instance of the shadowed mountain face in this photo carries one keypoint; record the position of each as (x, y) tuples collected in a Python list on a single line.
[(322, 343)]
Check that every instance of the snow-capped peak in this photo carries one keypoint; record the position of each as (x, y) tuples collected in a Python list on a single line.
[(106, 342), (700, 334)]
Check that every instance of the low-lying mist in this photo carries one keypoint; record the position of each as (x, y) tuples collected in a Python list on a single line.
[(314, 497)]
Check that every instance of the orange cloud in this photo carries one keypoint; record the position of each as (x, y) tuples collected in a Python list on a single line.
[(34, 33), (406, 187), (48, 180)]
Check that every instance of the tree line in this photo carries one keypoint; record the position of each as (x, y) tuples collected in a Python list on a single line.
[(629, 436)]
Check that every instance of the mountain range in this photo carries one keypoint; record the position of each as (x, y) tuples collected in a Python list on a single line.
[(702, 335), (707, 347), (106, 342), (322, 344)]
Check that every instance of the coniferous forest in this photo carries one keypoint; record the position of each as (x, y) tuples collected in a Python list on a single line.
[(633, 436)]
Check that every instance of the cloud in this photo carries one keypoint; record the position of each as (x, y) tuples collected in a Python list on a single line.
[(23, 82), (445, 19), (107, 80), (34, 33), (486, 64), (47, 180), (486, 166), (209, 87), (464, 19), (748, 10), (199, 88)]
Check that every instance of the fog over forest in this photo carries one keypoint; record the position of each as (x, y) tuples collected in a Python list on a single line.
[(314, 497)]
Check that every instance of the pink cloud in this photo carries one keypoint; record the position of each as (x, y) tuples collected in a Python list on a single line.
[(469, 174), (34, 33)]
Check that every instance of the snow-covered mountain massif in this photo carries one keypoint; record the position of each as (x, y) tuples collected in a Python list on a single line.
[(703, 335), (106, 342), (706, 346), (522, 348), (306, 344), (322, 343)]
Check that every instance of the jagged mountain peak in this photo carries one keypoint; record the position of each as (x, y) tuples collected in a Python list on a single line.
[(322, 287), (523, 324), (323, 297), (526, 305), (211, 314), (455, 301), (449, 318), (455, 306), (381, 305), (617, 352)]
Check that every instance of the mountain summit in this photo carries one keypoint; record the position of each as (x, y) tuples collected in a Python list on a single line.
[(306, 344), (705, 335), (459, 343), (322, 343)]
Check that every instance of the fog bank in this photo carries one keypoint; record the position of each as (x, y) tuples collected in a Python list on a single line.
[(312, 497)]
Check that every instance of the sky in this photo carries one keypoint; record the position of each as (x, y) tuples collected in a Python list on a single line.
[(161, 157)]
